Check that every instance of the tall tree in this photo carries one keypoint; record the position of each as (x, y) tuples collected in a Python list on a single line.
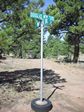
[(55, 47), (69, 16), (16, 24)]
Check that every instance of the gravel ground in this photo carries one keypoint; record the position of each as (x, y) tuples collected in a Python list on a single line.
[(19, 84)]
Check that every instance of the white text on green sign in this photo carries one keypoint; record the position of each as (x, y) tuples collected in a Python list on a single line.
[(41, 16)]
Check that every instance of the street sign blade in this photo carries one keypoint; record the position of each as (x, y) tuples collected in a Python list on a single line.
[(36, 15), (48, 20), (41, 16)]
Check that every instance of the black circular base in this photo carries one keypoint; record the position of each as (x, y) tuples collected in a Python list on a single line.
[(41, 108)]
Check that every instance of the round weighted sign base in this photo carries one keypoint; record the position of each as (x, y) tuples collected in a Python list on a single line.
[(41, 106)]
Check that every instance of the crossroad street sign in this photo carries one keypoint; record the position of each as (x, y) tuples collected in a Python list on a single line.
[(47, 20), (41, 16), (44, 20)]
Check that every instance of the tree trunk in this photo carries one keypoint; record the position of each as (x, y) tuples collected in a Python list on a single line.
[(76, 53), (21, 52), (1, 53), (76, 50)]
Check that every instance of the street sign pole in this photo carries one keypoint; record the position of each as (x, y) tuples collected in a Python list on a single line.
[(41, 104), (41, 74)]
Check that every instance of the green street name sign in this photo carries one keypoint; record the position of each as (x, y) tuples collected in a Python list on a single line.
[(41, 16)]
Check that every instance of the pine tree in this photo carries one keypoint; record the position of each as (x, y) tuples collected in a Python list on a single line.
[(16, 27), (69, 16)]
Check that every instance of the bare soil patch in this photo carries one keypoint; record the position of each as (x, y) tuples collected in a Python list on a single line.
[(19, 84)]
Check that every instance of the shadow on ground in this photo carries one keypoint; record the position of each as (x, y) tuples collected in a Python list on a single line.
[(24, 80)]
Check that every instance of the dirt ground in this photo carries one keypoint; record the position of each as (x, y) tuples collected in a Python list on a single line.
[(19, 84)]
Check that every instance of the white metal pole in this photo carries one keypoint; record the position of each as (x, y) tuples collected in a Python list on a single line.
[(41, 73)]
